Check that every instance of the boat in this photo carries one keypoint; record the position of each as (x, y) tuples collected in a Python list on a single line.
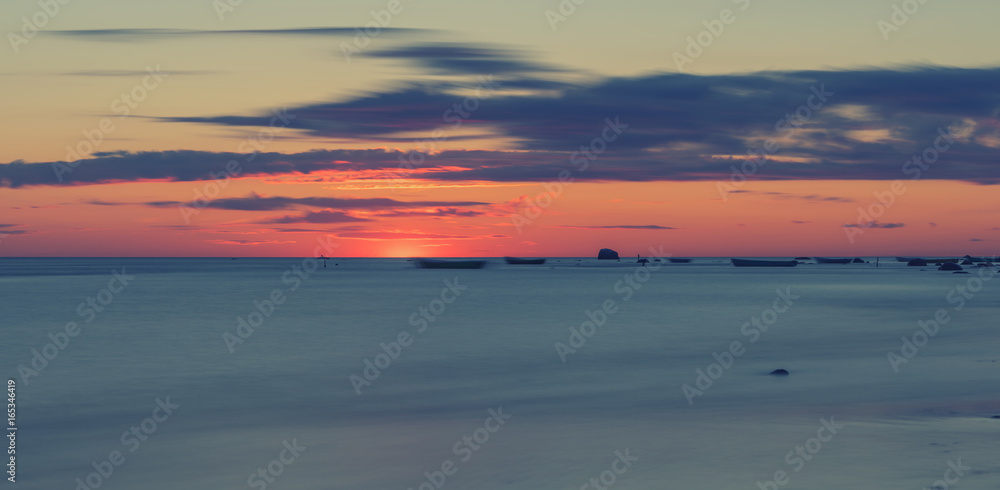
[(517, 261), (450, 264), (764, 263), (680, 261), (824, 260)]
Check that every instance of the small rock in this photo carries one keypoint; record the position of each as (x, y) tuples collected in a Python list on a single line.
[(995, 417), (779, 372)]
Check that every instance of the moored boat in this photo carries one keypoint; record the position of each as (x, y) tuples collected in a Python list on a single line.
[(764, 263), (450, 264), (824, 260), (517, 261)]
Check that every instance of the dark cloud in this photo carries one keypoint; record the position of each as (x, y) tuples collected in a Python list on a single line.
[(182, 165), (876, 224), (674, 127), (4, 231)]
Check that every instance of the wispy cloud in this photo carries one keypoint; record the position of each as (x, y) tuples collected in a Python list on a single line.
[(256, 202), (401, 235), (464, 59), (785, 195), (128, 73), (432, 213), (248, 242), (616, 227), (315, 217)]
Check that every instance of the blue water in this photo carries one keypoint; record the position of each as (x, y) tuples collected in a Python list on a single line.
[(494, 345)]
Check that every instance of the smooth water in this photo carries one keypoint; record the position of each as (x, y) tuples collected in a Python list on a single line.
[(489, 341)]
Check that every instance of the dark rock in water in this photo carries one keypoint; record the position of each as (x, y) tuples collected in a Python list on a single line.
[(950, 266), (917, 263), (959, 272), (857, 260), (779, 372), (995, 417), (607, 254), (803, 258)]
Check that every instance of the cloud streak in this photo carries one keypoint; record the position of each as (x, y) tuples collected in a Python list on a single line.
[(463, 59), (256, 202), (876, 224), (138, 35), (315, 218)]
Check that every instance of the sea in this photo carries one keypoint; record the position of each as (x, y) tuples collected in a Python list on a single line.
[(283, 373)]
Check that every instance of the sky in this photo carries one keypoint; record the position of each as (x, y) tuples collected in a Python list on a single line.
[(414, 128)]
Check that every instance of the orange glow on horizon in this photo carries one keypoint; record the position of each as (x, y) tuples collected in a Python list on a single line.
[(686, 218)]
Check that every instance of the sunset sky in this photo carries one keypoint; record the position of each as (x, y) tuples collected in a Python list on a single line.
[(201, 128)]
